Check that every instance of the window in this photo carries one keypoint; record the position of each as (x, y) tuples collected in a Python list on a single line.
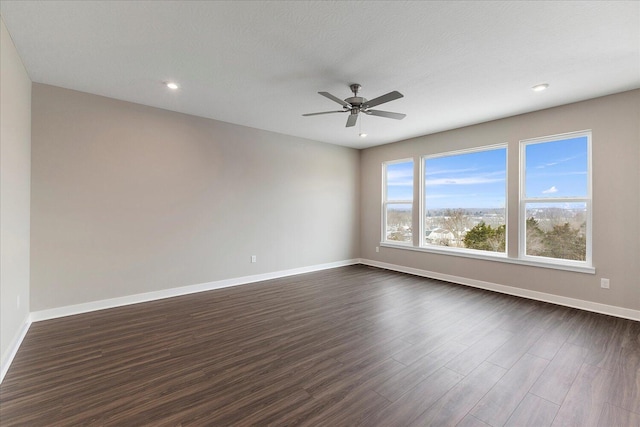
[(462, 203), (555, 198), (465, 199), (398, 201)]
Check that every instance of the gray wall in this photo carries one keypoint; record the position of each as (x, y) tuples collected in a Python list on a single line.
[(128, 199), (614, 121), (15, 170)]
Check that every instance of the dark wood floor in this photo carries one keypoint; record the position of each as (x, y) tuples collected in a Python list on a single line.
[(343, 347)]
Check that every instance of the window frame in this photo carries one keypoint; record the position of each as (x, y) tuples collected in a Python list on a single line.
[(515, 253), (422, 202), (386, 202), (523, 200)]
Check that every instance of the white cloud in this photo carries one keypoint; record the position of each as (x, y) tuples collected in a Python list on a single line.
[(551, 190), (471, 180), (553, 163), (449, 171), (400, 177), (568, 173)]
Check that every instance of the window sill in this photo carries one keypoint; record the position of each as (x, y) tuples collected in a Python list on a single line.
[(489, 256)]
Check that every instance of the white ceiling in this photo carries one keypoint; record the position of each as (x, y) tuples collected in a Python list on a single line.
[(261, 64)]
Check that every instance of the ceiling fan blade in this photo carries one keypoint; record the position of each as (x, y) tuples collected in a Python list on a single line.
[(388, 114), (382, 99), (351, 121), (324, 112), (335, 98)]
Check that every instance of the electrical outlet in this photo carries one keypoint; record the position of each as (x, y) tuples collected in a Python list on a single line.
[(377, 248), (604, 283), (254, 258)]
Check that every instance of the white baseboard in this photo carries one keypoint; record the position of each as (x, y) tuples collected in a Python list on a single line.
[(69, 310), (611, 310), (7, 358)]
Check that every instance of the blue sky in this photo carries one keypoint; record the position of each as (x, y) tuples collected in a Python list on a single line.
[(557, 169), (466, 181), (478, 180), (471, 180), (400, 181)]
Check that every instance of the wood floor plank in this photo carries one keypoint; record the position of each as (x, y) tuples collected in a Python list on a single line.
[(625, 390), (456, 403), (413, 403), (555, 382), (499, 403), (353, 408), (275, 410), (477, 332), (477, 353), (471, 421), (548, 345), (366, 375), (533, 411), (436, 336), (512, 350), (585, 400), (348, 346), (412, 375), (613, 416)]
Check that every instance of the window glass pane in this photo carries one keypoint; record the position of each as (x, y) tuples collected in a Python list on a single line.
[(400, 181), (556, 168), (556, 230), (465, 198), (398, 227)]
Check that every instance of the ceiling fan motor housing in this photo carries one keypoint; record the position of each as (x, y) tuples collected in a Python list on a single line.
[(356, 101)]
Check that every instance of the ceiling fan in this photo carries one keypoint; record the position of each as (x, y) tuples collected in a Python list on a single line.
[(357, 104)]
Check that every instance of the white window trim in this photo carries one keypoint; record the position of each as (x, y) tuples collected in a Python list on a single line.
[(523, 200), (422, 201), (386, 202)]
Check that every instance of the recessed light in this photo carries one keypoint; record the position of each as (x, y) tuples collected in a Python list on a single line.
[(362, 135), (540, 87), (171, 85)]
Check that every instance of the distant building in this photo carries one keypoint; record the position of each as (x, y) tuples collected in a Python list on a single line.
[(438, 235)]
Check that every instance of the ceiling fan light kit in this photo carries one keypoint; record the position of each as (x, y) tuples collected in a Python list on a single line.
[(355, 105)]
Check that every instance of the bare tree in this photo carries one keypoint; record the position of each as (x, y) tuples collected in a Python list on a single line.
[(458, 221)]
